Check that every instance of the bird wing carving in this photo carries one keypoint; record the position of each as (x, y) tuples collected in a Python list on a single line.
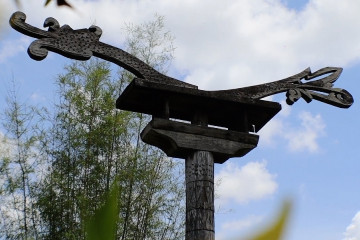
[(320, 89), (82, 44)]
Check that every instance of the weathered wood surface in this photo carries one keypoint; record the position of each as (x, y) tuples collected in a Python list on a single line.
[(239, 110), (199, 175), (81, 44), (180, 140), (157, 99), (320, 88)]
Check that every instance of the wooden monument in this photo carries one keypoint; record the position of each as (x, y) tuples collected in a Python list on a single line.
[(202, 127)]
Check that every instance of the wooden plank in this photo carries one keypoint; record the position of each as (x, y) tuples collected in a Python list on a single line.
[(184, 103), (179, 140)]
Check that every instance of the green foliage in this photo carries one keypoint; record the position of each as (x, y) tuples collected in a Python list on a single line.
[(103, 224), (18, 161), (149, 44), (82, 148), (90, 145)]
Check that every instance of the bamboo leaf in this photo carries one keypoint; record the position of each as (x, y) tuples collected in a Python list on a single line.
[(276, 230), (47, 2), (102, 225)]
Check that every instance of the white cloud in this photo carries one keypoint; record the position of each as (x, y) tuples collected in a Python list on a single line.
[(232, 43), (235, 182), (271, 131), (236, 228), (9, 48), (353, 230), (5, 146), (285, 109), (242, 223), (37, 97), (229, 44), (299, 137), (275, 127), (305, 137), (2, 15)]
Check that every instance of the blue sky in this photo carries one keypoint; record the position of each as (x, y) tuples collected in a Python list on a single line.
[(307, 152)]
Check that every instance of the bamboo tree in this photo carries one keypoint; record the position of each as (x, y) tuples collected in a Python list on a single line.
[(93, 144), (18, 163), (151, 43), (88, 144)]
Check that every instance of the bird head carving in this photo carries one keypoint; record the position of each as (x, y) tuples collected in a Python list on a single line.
[(75, 44)]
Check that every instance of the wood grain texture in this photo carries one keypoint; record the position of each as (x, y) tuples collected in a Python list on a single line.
[(238, 114), (179, 140), (199, 176)]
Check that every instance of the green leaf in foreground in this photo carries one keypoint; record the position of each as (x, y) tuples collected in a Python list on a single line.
[(102, 225), (276, 229)]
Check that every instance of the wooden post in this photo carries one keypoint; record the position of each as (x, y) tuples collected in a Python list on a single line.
[(199, 177), (201, 147)]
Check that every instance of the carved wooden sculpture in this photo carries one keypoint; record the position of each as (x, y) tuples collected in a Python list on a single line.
[(237, 111)]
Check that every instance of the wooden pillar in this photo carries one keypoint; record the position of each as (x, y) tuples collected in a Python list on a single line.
[(201, 147), (199, 177)]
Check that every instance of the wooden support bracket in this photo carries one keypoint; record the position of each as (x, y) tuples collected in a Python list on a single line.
[(179, 140)]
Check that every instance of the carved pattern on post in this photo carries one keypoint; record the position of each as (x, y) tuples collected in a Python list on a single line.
[(83, 43), (199, 176)]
